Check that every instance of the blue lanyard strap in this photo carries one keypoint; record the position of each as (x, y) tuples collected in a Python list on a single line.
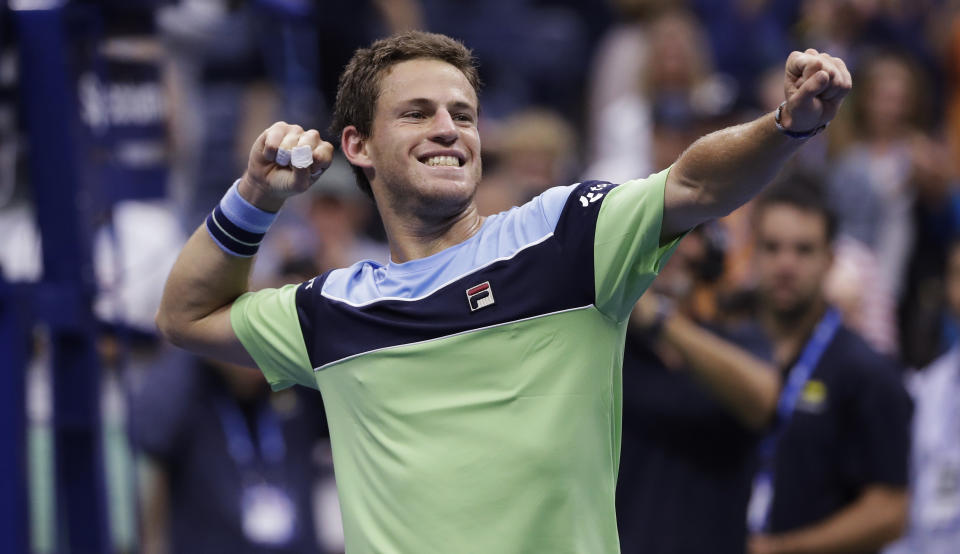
[(798, 376), (762, 499), (239, 440)]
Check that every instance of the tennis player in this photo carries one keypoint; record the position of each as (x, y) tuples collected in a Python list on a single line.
[(472, 384)]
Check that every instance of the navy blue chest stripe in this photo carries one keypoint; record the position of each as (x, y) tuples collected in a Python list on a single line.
[(521, 320), (552, 276)]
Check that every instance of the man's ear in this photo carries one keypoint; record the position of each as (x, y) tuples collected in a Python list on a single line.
[(354, 147)]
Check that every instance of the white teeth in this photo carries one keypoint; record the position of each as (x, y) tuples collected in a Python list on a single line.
[(443, 160)]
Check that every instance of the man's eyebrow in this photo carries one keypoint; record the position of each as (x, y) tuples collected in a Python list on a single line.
[(426, 102)]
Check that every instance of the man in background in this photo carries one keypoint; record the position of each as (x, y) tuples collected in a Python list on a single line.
[(699, 391), (833, 471), (935, 461)]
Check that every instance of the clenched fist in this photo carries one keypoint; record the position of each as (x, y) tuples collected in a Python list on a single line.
[(268, 181), (815, 84)]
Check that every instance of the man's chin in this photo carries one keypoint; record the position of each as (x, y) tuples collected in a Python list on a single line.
[(789, 310), (441, 200)]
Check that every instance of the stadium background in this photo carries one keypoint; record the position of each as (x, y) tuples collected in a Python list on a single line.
[(123, 121)]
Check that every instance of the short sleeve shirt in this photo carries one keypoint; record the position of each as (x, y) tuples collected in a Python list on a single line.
[(473, 396), (850, 429)]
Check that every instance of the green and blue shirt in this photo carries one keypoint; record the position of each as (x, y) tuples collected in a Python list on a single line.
[(473, 396)]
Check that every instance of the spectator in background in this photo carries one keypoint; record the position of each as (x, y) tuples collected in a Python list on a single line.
[(231, 464), (883, 174), (529, 52), (212, 63), (618, 109), (330, 227), (926, 329), (694, 407), (833, 472), (676, 86), (854, 29), (935, 469), (532, 150), (951, 66), (830, 25), (871, 188), (338, 214), (746, 36)]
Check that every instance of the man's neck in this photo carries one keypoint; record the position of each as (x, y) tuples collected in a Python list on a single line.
[(412, 238), (790, 333)]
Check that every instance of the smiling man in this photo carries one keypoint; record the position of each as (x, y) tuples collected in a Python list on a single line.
[(472, 384)]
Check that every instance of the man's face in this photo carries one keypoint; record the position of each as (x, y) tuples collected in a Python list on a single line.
[(952, 283), (792, 258), (424, 144)]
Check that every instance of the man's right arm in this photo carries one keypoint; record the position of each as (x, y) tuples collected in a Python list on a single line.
[(194, 312)]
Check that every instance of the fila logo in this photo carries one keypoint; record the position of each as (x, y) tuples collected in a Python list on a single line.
[(480, 296)]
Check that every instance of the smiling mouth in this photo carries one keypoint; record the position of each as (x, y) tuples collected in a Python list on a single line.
[(442, 161)]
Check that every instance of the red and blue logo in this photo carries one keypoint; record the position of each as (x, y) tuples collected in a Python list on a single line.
[(480, 296)]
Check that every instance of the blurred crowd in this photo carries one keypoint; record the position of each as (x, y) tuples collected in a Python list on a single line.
[(172, 93)]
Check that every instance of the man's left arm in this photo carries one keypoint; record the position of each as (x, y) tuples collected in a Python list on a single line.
[(874, 519), (724, 169)]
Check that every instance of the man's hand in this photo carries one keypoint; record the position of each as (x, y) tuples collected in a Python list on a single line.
[(814, 85), (266, 184), (721, 171)]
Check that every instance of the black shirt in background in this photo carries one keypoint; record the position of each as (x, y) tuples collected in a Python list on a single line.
[(174, 420), (857, 434), (686, 464)]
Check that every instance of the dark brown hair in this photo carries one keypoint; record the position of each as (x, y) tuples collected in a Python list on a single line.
[(359, 86), (801, 191)]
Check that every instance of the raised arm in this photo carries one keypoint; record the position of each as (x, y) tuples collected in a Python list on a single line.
[(205, 280), (724, 169)]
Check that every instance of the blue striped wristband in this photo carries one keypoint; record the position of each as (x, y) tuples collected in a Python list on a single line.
[(237, 226)]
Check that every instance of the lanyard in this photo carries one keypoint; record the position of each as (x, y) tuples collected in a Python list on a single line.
[(762, 498), (239, 440)]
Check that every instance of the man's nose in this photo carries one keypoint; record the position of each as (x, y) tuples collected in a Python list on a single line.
[(787, 261), (444, 129)]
